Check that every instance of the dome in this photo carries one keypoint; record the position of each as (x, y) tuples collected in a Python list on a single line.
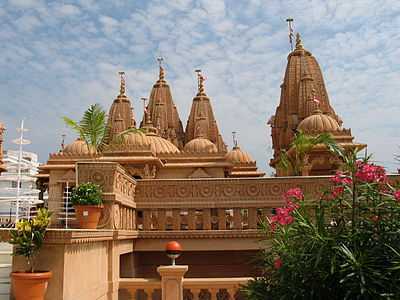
[(78, 147), (136, 139), (160, 145), (318, 123), (200, 145), (237, 156)]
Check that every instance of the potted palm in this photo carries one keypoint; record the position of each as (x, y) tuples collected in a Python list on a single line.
[(88, 203), (28, 238)]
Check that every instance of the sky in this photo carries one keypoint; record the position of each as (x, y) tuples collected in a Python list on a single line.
[(58, 57)]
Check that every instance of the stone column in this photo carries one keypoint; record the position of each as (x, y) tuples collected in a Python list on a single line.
[(172, 281)]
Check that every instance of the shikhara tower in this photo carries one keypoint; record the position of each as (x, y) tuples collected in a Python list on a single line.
[(304, 106)]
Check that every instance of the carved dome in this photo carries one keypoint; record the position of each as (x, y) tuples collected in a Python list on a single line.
[(200, 145), (318, 123), (237, 156), (78, 147), (160, 145), (136, 139)]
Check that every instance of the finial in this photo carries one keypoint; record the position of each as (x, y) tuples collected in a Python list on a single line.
[(234, 138), (122, 87), (291, 35), (299, 43), (63, 141), (160, 60), (147, 119), (200, 82)]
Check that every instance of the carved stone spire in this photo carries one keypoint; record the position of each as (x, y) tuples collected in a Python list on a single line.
[(120, 116), (163, 111), (302, 91), (201, 118)]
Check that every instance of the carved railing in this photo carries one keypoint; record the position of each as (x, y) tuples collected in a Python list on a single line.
[(219, 204), (139, 289), (193, 288), (118, 193)]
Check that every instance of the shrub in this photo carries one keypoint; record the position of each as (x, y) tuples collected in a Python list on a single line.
[(29, 235), (345, 245), (87, 194)]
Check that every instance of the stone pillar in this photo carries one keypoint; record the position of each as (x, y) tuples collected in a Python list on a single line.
[(172, 281)]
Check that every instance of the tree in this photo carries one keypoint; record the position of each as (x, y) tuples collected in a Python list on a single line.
[(295, 158), (93, 128)]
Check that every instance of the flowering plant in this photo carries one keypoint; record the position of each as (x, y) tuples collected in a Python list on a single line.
[(29, 235), (343, 245), (87, 194)]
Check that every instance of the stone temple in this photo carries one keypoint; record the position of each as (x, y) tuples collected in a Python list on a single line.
[(174, 182)]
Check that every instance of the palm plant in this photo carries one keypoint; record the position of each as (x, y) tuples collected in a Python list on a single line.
[(296, 157), (93, 128)]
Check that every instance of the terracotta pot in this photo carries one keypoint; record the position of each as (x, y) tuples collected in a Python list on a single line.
[(30, 286), (88, 216)]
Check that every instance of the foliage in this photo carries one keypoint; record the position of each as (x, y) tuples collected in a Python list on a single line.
[(94, 130), (295, 159), (345, 245), (29, 235), (87, 194)]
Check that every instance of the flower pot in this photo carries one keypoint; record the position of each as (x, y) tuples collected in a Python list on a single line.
[(30, 286), (88, 216)]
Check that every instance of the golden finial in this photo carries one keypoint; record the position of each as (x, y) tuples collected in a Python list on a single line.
[(122, 87), (299, 43), (160, 60)]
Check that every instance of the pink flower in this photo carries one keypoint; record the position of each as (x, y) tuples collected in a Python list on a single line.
[(278, 263), (337, 191), (283, 216), (397, 195), (340, 178), (291, 206), (294, 193), (370, 173)]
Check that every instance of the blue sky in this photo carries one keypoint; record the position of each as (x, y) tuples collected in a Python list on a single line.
[(58, 57)]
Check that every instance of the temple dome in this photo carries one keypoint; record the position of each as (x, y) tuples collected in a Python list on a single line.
[(160, 145), (200, 145), (238, 156), (318, 123), (78, 147), (138, 139)]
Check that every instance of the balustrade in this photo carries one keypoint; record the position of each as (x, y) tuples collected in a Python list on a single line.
[(201, 219)]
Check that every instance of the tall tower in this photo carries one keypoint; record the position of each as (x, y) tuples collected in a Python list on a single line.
[(120, 116), (164, 113), (304, 106), (2, 166), (201, 121)]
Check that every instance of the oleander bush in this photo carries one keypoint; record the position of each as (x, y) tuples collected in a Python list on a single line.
[(343, 245)]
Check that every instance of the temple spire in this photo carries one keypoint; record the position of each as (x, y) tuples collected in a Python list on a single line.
[(200, 82), (162, 71)]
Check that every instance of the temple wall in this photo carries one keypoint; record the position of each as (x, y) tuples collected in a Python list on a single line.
[(171, 173)]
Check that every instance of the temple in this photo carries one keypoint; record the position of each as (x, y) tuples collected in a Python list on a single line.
[(162, 182), (304, 106)]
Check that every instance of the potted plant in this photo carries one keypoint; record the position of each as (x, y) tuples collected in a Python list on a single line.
[(28, 238), (88, 203)]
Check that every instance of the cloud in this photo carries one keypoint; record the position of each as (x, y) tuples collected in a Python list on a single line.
[(57, 59)]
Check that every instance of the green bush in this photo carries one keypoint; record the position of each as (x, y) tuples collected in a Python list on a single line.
[(345, 245), (28, 237), (87, 194)]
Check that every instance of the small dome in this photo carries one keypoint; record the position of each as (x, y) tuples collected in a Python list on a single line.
[(78, 147), (160, 145), (200, 145), (136, 139), (237, 156), (318, 123)]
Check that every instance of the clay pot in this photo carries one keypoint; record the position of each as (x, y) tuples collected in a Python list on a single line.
[(30, 286), (88, 216)]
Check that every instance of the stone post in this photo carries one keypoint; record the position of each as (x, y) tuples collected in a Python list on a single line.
[(172, 281)]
